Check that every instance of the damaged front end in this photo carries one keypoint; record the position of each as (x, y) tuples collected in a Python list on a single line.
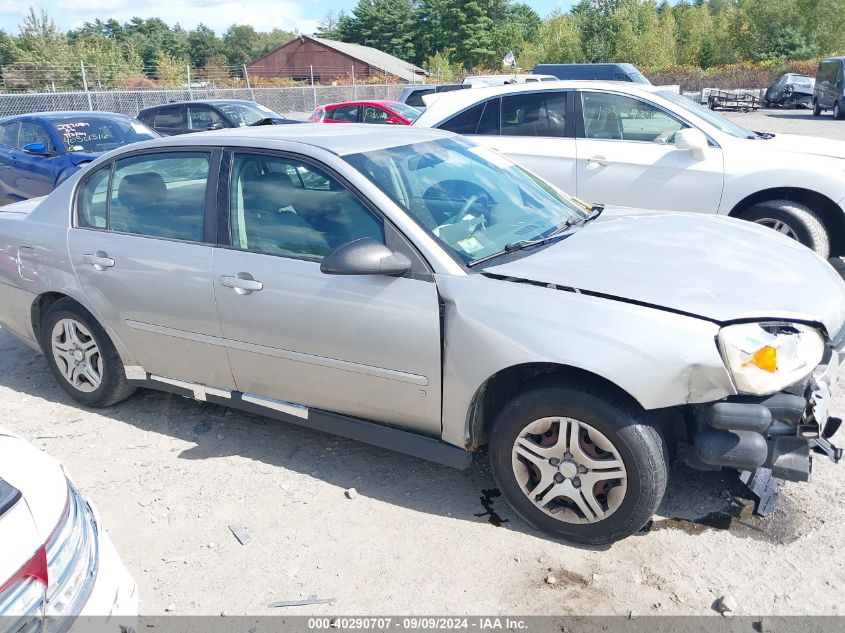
[(770, 439)]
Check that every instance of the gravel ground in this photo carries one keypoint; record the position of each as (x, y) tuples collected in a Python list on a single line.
[(170, 475)]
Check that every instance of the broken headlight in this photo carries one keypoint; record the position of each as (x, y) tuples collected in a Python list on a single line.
[(765, 358)]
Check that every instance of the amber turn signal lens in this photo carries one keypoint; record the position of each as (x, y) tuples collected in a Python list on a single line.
[(766, 358)]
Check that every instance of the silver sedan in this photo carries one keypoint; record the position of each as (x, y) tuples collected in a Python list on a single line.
[(410, 289)]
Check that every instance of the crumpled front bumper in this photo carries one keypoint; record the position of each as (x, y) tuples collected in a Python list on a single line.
[(776, 432)]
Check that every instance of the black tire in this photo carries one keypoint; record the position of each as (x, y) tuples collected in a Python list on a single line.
[(805, 226), (638, 443), (113, 386), (837, 112), (817, 111)]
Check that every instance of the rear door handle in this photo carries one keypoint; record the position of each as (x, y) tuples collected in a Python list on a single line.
[(242, 283), (598, 160), (98, 260)]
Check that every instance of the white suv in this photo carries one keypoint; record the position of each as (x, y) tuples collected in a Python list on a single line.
[(643, 146)]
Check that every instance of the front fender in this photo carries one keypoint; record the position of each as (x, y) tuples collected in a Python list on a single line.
[(661, 359)]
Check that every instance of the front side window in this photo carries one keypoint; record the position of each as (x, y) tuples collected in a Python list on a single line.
[(203, 118), (283, 206), (472, 199), (160, 195), (534, 114), (32, 132), (246, 114), (481, 119), (621, 118), (372, 114), (99, 134), (347, 114)]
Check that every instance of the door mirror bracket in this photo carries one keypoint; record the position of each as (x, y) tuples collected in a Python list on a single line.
[(365, 256)]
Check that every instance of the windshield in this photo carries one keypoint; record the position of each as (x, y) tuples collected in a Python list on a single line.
[(713, 118), (405, 111), (95, 134), (245, 114), (472, 199)]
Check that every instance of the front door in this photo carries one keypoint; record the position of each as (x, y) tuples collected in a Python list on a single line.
[(34, 173), (366, 346), (141, 254), (627, 157)]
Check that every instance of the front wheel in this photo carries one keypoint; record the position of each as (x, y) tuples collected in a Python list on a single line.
[(837, 113), (82, 357), (794, 220), (579, 464), (817, 110)]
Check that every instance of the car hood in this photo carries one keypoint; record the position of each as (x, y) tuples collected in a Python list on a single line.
[(804, 145), (712, 267)]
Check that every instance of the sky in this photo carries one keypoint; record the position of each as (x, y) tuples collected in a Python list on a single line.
[(217, 14)]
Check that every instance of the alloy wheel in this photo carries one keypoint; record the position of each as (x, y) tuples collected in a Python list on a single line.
[(77, 355), (569, 470), (778, 225)]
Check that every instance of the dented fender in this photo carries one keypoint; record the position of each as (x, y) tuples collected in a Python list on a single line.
[(660, 358)]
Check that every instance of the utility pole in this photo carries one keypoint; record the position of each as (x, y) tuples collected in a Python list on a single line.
[(85, 84), (313, 87), (354, 87), (190, 90), (249, 87)]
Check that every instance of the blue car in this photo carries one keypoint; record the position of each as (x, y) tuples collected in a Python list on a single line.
[(39, 151)]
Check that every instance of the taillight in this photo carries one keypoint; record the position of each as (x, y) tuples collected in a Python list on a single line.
[(23, 596)]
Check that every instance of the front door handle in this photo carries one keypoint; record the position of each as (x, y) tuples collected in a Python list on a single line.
[(99, 260), (598, 160), (242, 283)]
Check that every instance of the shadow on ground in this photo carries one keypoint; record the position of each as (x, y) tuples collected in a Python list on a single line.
[(692, 498)]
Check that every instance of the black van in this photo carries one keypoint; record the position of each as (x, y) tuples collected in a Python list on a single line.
[(413, 95), (828, 95), (604, 72)]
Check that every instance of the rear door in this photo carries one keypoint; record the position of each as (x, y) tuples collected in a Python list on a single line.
[(360, 345), (142, 251), (531, 128), (343, 114), (627, 157)]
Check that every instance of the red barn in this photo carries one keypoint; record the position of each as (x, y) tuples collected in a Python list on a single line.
[(329, 60)]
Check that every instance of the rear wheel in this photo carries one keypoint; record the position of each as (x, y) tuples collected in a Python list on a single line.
[(817, 111), (837, 113), (794, 220), (82, 357), (579, 464)]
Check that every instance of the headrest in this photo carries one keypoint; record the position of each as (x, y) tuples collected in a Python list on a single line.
[(144, 188)]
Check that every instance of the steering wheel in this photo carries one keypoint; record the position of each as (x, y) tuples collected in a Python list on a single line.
[(466, 206)]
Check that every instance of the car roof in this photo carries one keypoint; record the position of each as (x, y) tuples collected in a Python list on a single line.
[(458, 100), (63, 114), (378, 102), (346, 139), (200, 101)]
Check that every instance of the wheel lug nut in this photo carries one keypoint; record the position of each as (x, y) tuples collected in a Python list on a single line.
[(576, 482), (554, 461), (559, 478), (582, 469)]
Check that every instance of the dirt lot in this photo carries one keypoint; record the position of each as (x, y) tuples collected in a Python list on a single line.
[(169, 475)]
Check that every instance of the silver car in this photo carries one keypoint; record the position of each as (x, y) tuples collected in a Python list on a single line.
[(413, 290)]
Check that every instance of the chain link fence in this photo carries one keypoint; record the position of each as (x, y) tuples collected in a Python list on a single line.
[(283, 100)]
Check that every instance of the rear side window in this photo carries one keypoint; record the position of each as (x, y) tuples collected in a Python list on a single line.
[(155, 195), (537, 114), (93, 200), (481, 119), (170, 117), (9, 133), (347, 114)]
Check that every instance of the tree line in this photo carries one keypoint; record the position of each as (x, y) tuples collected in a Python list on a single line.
[(445, 37), (465, 34)]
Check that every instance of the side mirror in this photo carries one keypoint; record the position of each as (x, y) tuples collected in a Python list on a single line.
[(214, 126), (693, 140), (36, 149), (391, 120), (365, 256)]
